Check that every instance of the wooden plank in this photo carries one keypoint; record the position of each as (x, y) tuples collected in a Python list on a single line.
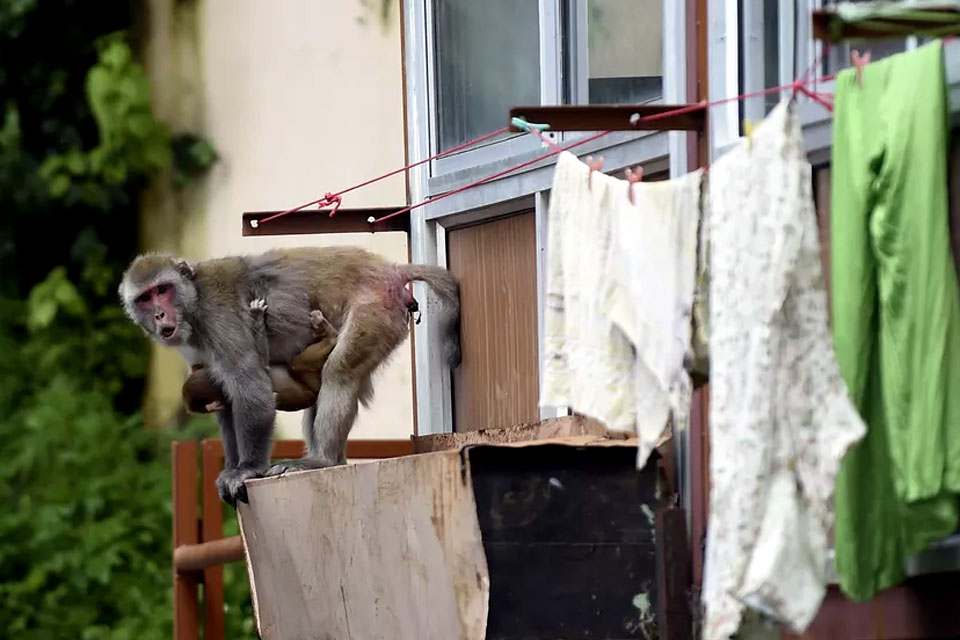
[(211, 530), (386, 549), (575, 425), (356, 449), (497, 384), (674, 614), (923, 609), (569, 538), (194, 557), (186, 599), (612, 117)]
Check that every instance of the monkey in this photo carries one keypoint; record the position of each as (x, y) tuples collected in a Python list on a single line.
[(201, 310), (294, 388)]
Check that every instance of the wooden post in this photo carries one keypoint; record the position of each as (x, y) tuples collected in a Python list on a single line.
[(212, 529), (186, 601)]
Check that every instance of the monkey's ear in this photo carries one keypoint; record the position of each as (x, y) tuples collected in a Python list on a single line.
[(185, 269)]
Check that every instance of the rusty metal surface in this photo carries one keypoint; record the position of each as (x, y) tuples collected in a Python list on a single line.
[(610, 117), (319, 221)]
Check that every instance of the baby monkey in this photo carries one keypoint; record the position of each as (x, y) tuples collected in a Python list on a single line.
[(294, 387)]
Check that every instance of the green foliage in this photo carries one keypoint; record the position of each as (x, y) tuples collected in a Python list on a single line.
[(131, 142), (85, 529), (192, 156)]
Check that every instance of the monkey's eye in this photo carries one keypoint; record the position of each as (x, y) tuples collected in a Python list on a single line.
[(162, 289), (143, 297)]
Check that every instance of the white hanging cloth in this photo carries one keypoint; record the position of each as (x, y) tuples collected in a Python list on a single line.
[(620, 285)]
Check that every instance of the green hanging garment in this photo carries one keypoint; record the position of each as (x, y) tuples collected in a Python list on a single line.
[(896, 317)]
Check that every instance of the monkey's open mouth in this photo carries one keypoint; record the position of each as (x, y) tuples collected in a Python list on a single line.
[(168, 331)]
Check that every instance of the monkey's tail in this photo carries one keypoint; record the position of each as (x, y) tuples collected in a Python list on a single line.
[(445, 285)]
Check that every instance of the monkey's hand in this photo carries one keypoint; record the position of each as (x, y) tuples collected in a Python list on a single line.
[(258, 306), (230, 484), (320, 325)]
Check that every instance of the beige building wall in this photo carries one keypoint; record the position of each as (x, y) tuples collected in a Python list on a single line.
[(299, 98)]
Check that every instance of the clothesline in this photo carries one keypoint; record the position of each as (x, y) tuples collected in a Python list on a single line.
[(335, 198)]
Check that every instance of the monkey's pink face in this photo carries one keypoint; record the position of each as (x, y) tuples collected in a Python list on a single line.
[(159, 302)]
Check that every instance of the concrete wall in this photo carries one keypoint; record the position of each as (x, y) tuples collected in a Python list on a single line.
[(298, 97)]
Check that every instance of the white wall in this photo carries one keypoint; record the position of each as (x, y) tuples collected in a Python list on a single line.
[(302, 97)]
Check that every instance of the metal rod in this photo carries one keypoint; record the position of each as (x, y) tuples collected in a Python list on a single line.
[(610, 117), (319, 221)]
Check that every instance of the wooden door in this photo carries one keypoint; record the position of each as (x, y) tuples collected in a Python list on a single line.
[(497, 384)]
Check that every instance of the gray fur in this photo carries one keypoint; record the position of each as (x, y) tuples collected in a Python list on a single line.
[(357, 291)]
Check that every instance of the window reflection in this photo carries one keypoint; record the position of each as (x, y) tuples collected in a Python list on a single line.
[(488, 60), (625, 51)]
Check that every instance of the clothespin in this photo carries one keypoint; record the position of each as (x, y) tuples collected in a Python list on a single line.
[(859, 62), (748, 132), (523, 125), (594, 166), (633, 178)]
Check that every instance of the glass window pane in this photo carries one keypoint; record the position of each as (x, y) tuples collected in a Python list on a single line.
[(488, 60), (625, 52), (771, 52)]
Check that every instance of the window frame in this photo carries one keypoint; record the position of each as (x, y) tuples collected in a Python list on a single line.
[(522, 190)]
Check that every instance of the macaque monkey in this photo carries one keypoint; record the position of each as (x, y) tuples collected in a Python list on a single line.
[(294, 388), (203, 310)]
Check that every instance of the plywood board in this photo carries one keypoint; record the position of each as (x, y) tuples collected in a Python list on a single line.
[(497, 383), (565, 426), (386, 549)]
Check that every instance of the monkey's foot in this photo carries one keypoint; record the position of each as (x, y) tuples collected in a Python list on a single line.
[(258, 306), (230, 484), (299, 464)]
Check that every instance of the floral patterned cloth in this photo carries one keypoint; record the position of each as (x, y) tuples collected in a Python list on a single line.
[(780, 415)]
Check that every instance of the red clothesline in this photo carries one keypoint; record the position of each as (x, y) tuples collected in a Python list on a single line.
[(558, 149), (331, 198), (335, 198)]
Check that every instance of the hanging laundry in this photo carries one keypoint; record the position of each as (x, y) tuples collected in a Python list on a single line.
[(620, 287), (647, 292), (896, 316), (780, 415), (588, 363), (700, 341)]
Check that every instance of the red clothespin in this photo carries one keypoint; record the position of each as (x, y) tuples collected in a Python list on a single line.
[(594, 166), (633, 178), (859, 62)]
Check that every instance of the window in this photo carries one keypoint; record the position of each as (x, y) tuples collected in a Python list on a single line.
[(489, 56), (466, 64), (487, 60), (622, 61)]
